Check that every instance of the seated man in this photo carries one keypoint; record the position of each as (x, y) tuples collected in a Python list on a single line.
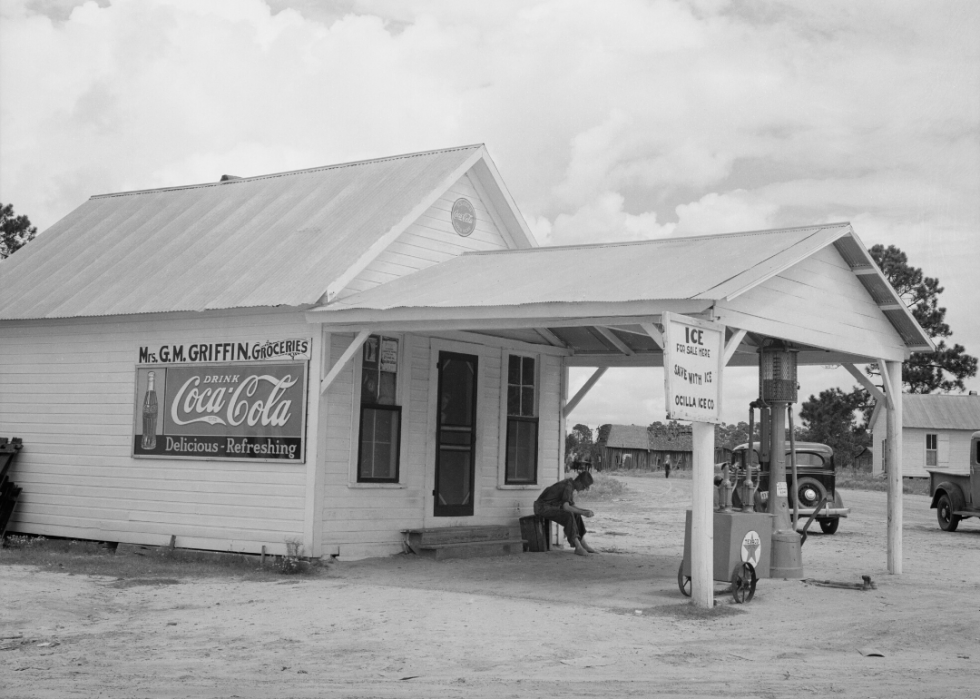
[(557, 503)]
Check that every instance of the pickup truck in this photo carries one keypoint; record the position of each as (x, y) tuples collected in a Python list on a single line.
[(956, 496), (816, 481)]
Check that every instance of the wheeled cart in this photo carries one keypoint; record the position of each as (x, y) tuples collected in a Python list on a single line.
[(742, 544)]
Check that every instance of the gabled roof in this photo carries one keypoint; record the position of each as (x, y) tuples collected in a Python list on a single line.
[(941, 411), (272, 240), (636, 437), (628, 437), (647, 277)]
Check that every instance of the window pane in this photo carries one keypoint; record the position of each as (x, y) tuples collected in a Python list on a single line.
[(522, 450), (514, 370), (378, 458), (386, 389), (527, 402), (513, 400), (931, 459), (807, 459), (527, 377)]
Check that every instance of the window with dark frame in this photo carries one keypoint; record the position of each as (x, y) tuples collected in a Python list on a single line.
[(932, 449), (522, 422), (380, 426)]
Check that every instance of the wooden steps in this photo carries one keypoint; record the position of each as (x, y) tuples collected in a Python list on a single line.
[(464, 542)]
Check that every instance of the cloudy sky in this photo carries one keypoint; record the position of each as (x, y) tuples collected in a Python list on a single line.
[(612, 120)]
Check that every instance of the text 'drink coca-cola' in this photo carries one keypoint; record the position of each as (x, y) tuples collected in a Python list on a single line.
[(226, 411)]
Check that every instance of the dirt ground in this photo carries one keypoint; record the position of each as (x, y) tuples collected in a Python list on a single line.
[(529, 625)]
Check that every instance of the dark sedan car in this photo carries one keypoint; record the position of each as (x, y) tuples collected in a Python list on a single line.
[(816, 480)]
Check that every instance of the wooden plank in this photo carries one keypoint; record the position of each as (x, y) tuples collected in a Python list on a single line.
[(786, 326), (188, 523), (172, 502)]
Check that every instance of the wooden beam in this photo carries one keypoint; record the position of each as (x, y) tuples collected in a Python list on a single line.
[(732, 345), (344, 358), (582, 392), (551, 337), (886, 380), (654, 332), (615, 341), (866, 382), (471, 324), (867, 269)]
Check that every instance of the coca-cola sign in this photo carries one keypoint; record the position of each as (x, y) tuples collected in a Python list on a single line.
[(251, 411)]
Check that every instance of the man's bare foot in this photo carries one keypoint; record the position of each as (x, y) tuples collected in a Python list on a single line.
[(580, 551), (588, 548)]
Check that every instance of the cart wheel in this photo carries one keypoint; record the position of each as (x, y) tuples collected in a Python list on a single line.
[(683, 581), (743, 583)]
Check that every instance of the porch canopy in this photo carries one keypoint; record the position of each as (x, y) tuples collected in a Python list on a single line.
[(816, 287), (600, 305)]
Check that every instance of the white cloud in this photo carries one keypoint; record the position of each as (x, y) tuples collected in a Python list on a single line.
[(624, 119), (604, 219), (722, 213)]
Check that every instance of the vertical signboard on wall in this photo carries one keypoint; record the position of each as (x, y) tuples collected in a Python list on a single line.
[(191, 406), (693, 364)]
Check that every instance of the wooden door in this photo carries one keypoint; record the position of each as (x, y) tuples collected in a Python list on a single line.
[(454, 490)]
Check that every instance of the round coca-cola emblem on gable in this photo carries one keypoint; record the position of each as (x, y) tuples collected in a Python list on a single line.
[(464, 217)]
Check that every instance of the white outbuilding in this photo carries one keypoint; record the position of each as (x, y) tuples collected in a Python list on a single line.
[(936, 432)]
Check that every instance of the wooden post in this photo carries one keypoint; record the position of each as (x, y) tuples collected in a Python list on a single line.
[(893, 382), (702, 512)]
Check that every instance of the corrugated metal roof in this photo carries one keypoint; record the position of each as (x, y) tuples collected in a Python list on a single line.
[(706, 267), (682, 442), (667, 270), (941, 411), (628, 437), (259, 241), (635, 437)]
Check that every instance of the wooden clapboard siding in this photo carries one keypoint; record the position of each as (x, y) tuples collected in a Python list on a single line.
[(68, 391), (363, 519), (953, 451), (431, 239), (914, 452), (551, 457), (357, 514), (818, 302)]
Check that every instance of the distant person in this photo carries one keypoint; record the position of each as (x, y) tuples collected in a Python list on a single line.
[(557, 504), (667, 467)]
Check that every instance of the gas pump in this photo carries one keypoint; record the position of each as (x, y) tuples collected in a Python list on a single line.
[(777, 392), (757, 539)]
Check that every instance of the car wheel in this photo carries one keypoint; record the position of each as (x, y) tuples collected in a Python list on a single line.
[(944, 513), (683, 581), (809, 492), (829, 525)]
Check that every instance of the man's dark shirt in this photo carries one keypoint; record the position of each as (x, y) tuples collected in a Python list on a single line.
[(554, 496)]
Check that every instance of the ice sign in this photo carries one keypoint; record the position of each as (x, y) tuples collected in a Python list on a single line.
[(693, 361)]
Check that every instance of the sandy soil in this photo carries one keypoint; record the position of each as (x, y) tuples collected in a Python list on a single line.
[(530, 625)]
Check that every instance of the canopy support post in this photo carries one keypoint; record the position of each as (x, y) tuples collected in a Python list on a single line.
[(891, 372)]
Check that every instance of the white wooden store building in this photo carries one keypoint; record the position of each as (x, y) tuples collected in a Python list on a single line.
[(344, 353)]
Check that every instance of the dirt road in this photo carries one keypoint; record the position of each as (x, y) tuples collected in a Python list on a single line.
[(531, 625)]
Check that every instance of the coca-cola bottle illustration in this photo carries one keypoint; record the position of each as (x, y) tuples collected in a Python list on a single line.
[(150, 410)]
